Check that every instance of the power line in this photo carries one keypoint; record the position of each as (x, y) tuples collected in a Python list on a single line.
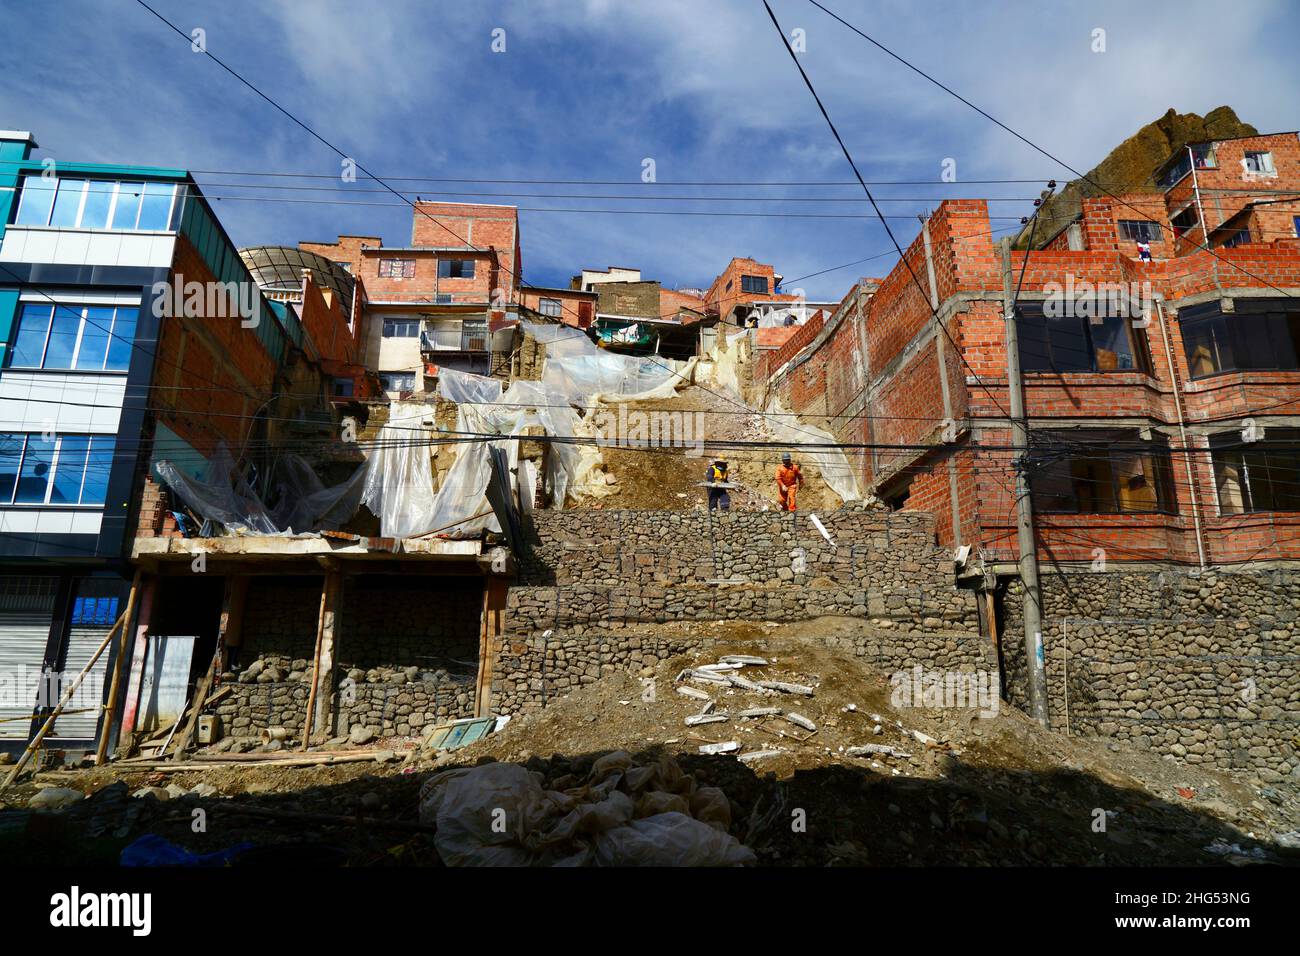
[(951, 92), (901, 254)]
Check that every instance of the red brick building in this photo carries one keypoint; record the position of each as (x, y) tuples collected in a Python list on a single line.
[(438, 301), (1163, 397)]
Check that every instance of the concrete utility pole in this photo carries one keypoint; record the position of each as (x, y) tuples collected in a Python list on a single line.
[(1025, 538)]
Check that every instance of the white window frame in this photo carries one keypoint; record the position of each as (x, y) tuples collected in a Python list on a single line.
[(1268, 167)]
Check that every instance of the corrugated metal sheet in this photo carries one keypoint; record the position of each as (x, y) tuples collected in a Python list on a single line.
[(26, 612), (166, 684)]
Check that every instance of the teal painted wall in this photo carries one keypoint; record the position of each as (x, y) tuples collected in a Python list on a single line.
[(8, 311)]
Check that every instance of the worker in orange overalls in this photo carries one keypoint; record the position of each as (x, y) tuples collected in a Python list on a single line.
[(788, 480)]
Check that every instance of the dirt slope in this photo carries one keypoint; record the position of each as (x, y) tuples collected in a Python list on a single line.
[(667, 478)]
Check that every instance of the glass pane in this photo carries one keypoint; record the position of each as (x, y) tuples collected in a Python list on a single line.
[(1069, 342), (1053, 489), (68, 202), (1112, 338), (38, 198), (1093, 482), (99, 196), (1200, 341), (1284, 476), (98, 466), (29, 343), (94, 337), (128, 205), (1229, 480), (11, 452), (35, 475), (1136, 479), (63, 337), (1034, 353), (69, 469), (155, 205), (121, 345)]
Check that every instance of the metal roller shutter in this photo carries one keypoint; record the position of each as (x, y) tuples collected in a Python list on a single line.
[(26, 613), (82, 643)]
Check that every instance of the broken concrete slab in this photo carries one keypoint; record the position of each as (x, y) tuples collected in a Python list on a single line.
[(725, 747), (696, 719), (882, 749), (760, 712), (693, 692), (785, 688), (744, 659), (800, 721)]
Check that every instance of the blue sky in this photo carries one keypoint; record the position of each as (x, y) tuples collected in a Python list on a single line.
[(588, 89)]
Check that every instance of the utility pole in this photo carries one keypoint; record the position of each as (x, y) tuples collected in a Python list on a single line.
[(1025, 538)]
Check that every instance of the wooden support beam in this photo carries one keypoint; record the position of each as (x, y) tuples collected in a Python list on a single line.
[(320, 699), (139, 651), (495, 589), (115, 683)]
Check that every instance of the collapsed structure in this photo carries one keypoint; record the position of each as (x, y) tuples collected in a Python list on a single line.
[(338, 496)]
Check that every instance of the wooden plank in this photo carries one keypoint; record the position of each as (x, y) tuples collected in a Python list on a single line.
[(323, 668), (110, 705)]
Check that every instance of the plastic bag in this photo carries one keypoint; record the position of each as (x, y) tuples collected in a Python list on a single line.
[(501, 815)]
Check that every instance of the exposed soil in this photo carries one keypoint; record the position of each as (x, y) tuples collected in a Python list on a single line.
[(668, 478), (993, 789)]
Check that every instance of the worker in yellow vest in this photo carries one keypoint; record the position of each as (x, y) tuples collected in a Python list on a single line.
[(718, 497)]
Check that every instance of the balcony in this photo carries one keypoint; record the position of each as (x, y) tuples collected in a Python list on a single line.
[(468, 336)]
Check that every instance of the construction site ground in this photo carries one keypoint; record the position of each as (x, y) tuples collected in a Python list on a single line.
[(982, 790), (668, 478)]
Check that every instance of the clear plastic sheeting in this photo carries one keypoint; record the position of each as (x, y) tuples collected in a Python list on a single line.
[(225, 498), (305, 504), (732, 351), (399, 486), (586, 375), (831, 462), (399, 474), (458, 387)]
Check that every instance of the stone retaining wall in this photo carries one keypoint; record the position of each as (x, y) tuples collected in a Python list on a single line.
[(597, 583), (1204, 667)]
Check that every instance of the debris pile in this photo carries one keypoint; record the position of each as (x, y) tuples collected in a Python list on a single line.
[(617, 812)]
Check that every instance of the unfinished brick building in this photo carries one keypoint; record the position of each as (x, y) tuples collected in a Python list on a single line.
[(440, 300)]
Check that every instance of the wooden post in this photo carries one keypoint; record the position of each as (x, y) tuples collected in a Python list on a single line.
[(110, 704), (320, 698), (142, 624), (495, 588)]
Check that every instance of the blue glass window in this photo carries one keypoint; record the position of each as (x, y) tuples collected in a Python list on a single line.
[(11, 455), (71, 466), (155, 205), (99, 463), (38, 199), (33, 329), (128, 205), (67, 204), (34, 479), (99, 196)]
